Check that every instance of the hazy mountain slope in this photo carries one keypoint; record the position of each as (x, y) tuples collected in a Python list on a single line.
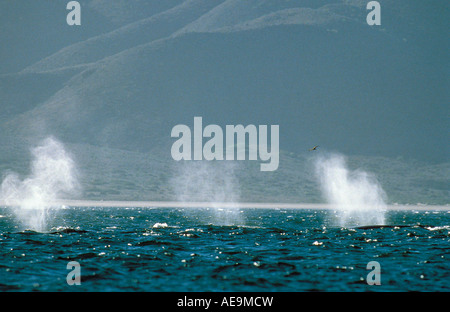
[(283, 75), (32, 30), (142, 31), (313, 67)]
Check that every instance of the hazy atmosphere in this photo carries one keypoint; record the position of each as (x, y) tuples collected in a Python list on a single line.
[(110, 90), (197, 147)]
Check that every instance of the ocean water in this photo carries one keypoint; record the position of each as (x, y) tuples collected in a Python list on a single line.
[(190, 249)]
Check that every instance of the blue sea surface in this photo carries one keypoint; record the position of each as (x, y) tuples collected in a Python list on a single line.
[(190, 249)]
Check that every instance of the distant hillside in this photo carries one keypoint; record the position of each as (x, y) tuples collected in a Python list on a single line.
[(113, 88)]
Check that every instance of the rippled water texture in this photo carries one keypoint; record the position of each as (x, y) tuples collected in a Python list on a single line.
[(144, 249)]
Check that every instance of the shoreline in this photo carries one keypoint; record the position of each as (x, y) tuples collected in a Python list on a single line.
[(176, 204)]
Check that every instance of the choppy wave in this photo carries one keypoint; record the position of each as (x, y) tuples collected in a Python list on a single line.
[(272, 250)]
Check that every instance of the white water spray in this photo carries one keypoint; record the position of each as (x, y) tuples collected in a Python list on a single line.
[(52, 176), (356, 195), (213, 183)]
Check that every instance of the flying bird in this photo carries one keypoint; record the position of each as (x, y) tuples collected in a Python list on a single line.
[(314, 148)]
